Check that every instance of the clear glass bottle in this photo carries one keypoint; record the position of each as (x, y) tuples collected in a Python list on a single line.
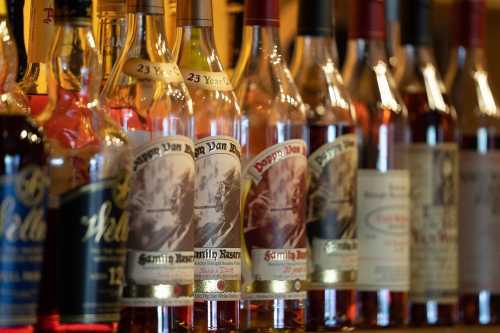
[(217, 119), (88, 166), (330, 217), (23, 198), (111, 33), (383, 208), (274, 178), (35, 80), (467, 80), (146, 95), (433, 158)]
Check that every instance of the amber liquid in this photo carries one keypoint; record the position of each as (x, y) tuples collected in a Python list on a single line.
[(329, 308), (37, 103), (165, 319), (480, 308), (22, 152), (216, 316), (423, 121)]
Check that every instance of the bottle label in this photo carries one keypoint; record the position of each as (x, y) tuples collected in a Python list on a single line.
[(143, 69), (41, 27), (23, 198), (331, 223), (434, 233), (479, 221), (383, 220), (217, 255), (160, 242), (216, 81), (92, 237), (274, 201)]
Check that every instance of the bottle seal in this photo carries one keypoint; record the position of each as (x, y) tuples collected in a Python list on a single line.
[(262, 13), (367, 19), (470, 26), (151, 7), (194, 13), (315, 18)]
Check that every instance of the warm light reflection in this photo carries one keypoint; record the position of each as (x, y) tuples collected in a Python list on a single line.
[(486, 101), (387, 99), (433, 89)]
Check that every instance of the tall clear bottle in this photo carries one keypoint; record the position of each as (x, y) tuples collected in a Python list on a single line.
[(217, 119), (383, 184), (146, 95), (40, 28), (274, 176), (333, 155), (479, 121), (23, 197), (433, 158), (88, 173), (111, 33)]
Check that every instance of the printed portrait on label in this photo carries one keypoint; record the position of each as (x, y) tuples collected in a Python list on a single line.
[(161, 206), (218, 202), (445, 177), (275, 210), (331, 199)]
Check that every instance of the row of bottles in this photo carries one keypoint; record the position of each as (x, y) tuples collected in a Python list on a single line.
[(277, 199)]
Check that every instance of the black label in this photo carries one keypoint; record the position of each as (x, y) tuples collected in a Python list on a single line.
[(93, 229), (23, 199)]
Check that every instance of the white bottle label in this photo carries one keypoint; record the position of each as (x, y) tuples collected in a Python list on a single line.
[(216, 81), (479, 235), (434, 232), (383, 224), (217, 219)]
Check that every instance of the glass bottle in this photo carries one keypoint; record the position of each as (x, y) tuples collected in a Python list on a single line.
[(111, 32), (88, 166), (330, 217), (17, 21), (433, 158), (217, 118), (40, 30), (23, 197), (146, 95), (274, 177), (383, 212), (479, 122)]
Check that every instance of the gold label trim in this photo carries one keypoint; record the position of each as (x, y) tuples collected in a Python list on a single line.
[(276, 287), (217, 286), (159, 292)]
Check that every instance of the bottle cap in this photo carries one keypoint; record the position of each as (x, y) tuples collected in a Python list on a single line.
[(367, 19), (416, 16), (262, 12), (470, 23), (392, 10), (194, 13), (152, 7), (76, 11), (315, 18)]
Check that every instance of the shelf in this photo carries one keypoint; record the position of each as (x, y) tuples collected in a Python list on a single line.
[(470, 329)]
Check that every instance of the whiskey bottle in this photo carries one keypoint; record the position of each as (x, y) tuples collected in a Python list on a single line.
[(274, 178), (23, 200), (383, 207), (89, 181), (330, 217), (217, 114), (433, 161), (146, 95), (111, 32), (40, 28), (479, 121)]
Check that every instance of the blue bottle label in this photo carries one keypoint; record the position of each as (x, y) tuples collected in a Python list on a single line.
[(23, 198), (92, 236)]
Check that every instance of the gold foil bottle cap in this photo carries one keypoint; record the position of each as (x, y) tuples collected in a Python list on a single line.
[(116, 6), (153, 7), (194, 13)]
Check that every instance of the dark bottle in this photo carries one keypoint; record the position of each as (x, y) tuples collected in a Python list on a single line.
[(23, 198), (479, 120), (433, 160), (330, 217), (16, 18), (382, 212), (88, 166), (393, 33)]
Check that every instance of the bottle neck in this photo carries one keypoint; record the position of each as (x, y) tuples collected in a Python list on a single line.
[(109, 38), (195, 48), (313, 50), (367, 51), (146, 36), (260, 42)]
